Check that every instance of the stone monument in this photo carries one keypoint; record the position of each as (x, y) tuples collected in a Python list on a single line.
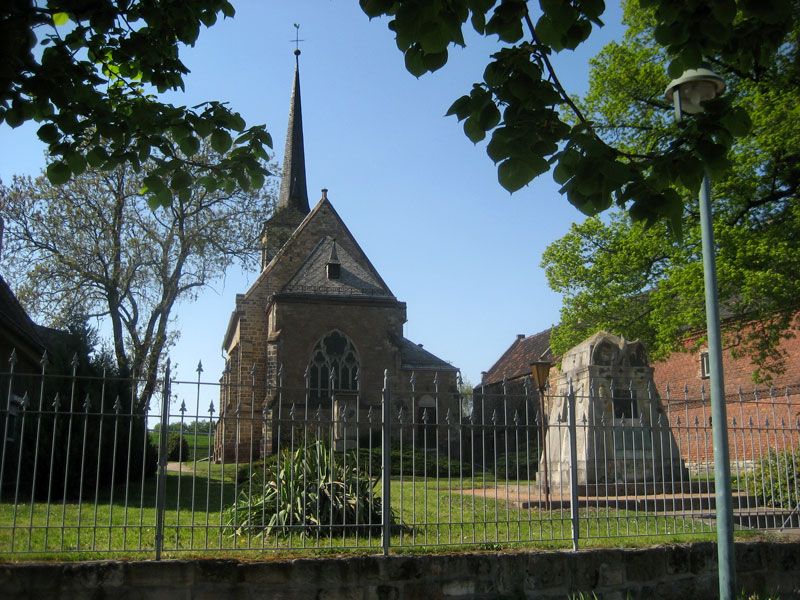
[(622, 433)]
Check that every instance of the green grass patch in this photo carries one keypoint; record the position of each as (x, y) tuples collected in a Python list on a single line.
[(200, 446), (436, 514)]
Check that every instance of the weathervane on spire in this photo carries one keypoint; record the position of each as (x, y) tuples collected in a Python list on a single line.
[(297, 39)]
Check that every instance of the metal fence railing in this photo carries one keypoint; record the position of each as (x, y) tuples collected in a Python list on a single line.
[(84, 468)]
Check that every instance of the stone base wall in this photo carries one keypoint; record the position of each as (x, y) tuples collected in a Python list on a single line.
[(680, 572)]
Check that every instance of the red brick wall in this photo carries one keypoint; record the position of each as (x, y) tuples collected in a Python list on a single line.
[(760, 417), (757, 424), (683, 369)]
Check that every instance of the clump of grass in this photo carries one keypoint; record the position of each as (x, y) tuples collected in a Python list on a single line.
[(309, 490)]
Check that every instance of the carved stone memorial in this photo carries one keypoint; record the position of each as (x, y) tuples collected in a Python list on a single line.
[(622, 432)]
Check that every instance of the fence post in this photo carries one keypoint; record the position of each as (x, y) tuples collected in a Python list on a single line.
[(573, 465), (12, 361), (387, 471), (161, 482)]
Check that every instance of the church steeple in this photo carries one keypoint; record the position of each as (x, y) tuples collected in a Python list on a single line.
[(292, 205), (294, 193)]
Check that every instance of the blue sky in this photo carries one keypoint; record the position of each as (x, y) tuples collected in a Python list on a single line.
[(420, 198)]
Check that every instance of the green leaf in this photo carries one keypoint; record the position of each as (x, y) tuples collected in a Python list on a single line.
[(256, 180), (495, 74), (435, 61), (478, 21), (234, 121), (153, 183), (676, 68), (433, 37), (473, 129), (737, 122), (96, 156), (460, 108), (60, 18), (76, 162), (180, 180), (506, 21), (180, 131), (189, 145), (547, 33), (221, 141), (161, 198), (209, 182), (673, 210), (203, 127), (515, 173), (593, 8), (415, 61), (14, 117), (49, 133), (489, 117), (58, 173), (562, 173), (497, 148), (663, 34), (615, 171), (375, 8)]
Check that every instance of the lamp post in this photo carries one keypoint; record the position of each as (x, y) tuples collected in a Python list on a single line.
[(687, 93), (540, 370)]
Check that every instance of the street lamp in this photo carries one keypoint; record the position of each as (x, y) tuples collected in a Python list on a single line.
[(687, 93), (540, 371), (694, 87)]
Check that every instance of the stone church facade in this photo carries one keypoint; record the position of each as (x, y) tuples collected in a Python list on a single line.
[(318, 330)]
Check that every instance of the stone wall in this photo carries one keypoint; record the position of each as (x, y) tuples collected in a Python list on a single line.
[(681, 572)]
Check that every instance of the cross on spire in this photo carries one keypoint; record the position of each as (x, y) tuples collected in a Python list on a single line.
[(297, 39)]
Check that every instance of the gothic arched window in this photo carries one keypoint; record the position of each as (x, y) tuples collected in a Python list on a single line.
[(333, 367)]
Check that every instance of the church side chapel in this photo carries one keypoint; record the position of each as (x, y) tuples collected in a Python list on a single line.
[(310, 341)]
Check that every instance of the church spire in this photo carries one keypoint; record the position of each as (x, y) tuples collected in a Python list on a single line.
[(294, 194)]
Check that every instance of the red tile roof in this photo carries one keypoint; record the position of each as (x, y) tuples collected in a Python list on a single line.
[(515, 362)]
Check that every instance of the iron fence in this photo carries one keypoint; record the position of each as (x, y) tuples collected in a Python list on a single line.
[(84, 469)]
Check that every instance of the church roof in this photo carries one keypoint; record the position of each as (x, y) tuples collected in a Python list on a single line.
[(414, 356), (515, 362), (356, 278), (294, 191)]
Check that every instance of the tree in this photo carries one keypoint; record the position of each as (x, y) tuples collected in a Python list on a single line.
[(535, 124), (92, 247), (91, 88), (619, 275)]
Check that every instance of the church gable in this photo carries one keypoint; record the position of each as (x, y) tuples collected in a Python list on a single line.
[(295, 262), (331, 270)]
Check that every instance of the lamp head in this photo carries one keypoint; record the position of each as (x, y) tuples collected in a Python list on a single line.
[(694, 87)]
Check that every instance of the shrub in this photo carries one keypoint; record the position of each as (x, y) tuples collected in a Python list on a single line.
[(776, 479), (515, 466), (78, 427), (177, 448), (308, 490)]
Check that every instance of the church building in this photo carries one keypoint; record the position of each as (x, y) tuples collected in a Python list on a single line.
[(313, 337)]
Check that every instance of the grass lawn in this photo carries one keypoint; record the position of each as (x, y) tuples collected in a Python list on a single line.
[(434, 513), (200, 445)]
